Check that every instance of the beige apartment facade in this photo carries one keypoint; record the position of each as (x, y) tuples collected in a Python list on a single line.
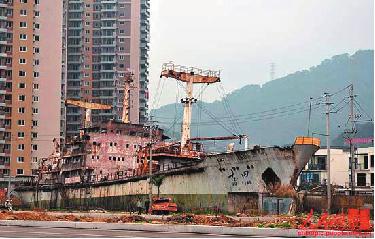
[(30, 73)]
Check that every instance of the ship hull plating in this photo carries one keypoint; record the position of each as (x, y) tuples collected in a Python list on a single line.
[(221, 181)]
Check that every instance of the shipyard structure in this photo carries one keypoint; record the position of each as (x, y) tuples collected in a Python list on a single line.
[(109, 165)]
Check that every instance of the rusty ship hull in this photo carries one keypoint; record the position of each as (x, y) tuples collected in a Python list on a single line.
[(223, 180)]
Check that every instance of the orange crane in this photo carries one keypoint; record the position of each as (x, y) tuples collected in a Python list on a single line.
[(88, 107)]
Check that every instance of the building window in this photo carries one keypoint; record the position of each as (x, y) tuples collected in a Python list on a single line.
[(20, 159), (372, 179), (21, 122), (22, 73), (35, 123), (23, 24), (35, 111), (110, 158), (34, 135), (21, 134), (371, 161), (36, 62), (36, 49), (365, 162), (23, 49), (23, 36), (22, 61), (36, 37), (35, 147), (21, 147), (5, 172), (21, 110), (36, 25), (35, 159), (23, 1), (23, 12), (21, 85), (35, 86), (21, 97), (361, 179), (36, 74), (20, 170), (37, 13), (35, 98)]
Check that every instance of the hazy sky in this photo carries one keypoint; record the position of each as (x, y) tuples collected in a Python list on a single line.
[(242, 37)]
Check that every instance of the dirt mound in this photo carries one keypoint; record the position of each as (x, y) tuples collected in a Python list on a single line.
[(202, 219)]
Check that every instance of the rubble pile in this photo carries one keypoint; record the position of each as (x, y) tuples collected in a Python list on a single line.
[(192, 219), (220, 220), (284, 191)]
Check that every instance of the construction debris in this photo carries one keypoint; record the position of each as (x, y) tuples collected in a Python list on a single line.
[(192, 219)]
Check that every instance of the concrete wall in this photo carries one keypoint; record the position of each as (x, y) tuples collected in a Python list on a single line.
[(339, 202)]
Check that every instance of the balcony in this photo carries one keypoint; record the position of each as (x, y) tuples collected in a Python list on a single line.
[(358, 184), (72, 166), (321, 167)]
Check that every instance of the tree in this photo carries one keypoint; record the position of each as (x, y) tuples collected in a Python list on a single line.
[(157, 181)]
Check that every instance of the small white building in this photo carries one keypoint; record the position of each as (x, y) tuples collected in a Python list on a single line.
[(315, 172), (364, 171)]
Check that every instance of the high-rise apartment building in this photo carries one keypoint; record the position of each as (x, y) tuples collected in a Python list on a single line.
[(30, 70), (103, 41)]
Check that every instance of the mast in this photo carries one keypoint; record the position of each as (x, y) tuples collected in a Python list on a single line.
[(190, 76), (188, 102), (126, 104)]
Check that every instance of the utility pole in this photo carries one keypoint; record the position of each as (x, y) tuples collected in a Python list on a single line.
[(328, 161), (352, 150), (9, 185), (150, 167)]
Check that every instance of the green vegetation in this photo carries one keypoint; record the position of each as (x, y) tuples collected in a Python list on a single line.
[(158, 181)]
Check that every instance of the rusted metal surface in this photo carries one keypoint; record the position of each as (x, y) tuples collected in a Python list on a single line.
[(186, 74), (108, 151)]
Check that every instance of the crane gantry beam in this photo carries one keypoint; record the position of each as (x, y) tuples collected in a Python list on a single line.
[(189, 74), (88, 107)]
